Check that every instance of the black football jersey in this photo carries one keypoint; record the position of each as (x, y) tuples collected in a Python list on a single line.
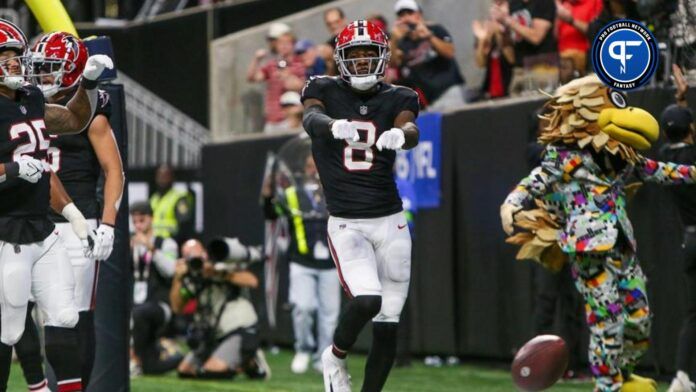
[(74, 160), (24, 206), (358, 179)]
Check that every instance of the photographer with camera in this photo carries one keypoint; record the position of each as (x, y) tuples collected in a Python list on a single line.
[(154, 259), (223, 336), (424, 53)]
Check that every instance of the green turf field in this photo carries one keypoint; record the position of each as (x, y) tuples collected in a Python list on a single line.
[(418, 378)]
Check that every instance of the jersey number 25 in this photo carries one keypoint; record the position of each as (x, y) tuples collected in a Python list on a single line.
[(350, 159), (36, 141)]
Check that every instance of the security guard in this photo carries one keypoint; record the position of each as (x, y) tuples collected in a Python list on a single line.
[(172, 208), (315, 291)]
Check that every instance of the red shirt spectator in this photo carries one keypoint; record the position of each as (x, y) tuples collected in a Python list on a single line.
[(568, 36), (275, 73), (572, 42), (284, 71)]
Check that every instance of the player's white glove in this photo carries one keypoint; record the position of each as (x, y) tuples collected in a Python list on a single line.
[(79, 226), (95, 66), (103, 238), (28, 169), (507, 212), (392, 139), (344, 129)]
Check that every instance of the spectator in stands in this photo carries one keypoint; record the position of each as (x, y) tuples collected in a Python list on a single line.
[(314, 64), (173, 208), (495, 53), (223, 336), (683, 34), (425, 55), (275, 30), (154, 258), (335, 21), (572, 42), (530, 23), (611, 10), (293, 109), (282, 72)]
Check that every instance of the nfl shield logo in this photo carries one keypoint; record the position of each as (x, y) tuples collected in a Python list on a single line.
[(363, 110), (23, 109)]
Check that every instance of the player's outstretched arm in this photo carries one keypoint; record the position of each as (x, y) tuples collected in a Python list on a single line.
[(315, 120), (75, 116), (404, 134), (405, 121)]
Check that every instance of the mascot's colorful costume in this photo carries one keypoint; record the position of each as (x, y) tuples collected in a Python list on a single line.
[(579, 192)]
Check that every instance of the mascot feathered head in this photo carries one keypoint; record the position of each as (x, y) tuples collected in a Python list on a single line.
[(588, 114)]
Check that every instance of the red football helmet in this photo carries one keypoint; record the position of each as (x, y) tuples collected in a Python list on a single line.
[(12, 38), (58, 60), (362, 73)]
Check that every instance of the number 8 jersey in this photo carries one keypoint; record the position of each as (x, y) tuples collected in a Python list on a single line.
[(24, 206), (358, 179)]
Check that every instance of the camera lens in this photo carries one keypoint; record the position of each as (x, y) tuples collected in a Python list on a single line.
[(195, 263)]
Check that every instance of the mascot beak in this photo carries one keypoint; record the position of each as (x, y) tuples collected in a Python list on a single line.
[(632, 126)]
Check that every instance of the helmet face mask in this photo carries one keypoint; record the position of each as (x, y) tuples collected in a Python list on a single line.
[(13, 69), (362, 54), (47, 74)]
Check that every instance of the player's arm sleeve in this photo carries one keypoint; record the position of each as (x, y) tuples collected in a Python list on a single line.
[(103, 104), (165, 257), (665, 173), (408, 100), (315, 120), (540, 181)]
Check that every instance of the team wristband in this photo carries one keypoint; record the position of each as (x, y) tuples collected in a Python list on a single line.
[(89, 84), (12, 169)]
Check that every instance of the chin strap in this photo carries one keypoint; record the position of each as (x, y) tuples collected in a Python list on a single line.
[(363, 83)]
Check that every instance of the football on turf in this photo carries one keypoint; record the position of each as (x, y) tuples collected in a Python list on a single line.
[(540, 363)]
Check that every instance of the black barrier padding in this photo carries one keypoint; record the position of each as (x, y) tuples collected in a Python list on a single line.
[(232, 174), (469, 296), (115, 285), (169, 56)]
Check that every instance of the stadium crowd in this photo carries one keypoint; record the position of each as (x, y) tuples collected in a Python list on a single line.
[(523, 47)]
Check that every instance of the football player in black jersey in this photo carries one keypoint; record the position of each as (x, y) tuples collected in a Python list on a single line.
[(356, 122), (30, 250), (78, 160)]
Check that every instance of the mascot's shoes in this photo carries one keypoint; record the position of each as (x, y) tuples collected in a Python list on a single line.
[(681, 383), (636, 383)]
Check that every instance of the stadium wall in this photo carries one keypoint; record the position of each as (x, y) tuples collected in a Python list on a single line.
[(469, 296), (169, 54)]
